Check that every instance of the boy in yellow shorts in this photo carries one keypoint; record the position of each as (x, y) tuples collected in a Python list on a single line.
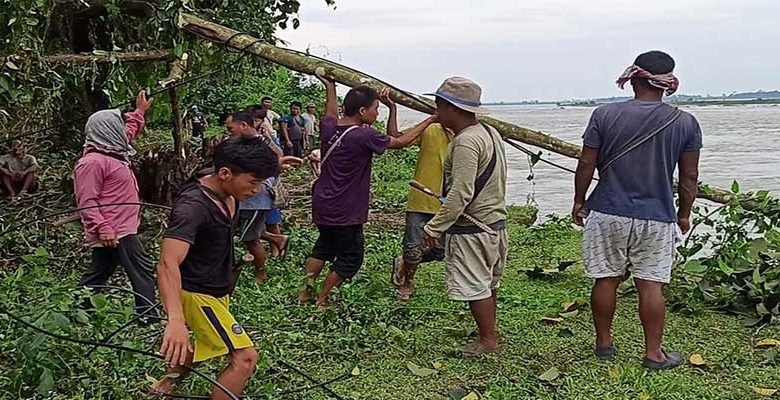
[(197, 271)]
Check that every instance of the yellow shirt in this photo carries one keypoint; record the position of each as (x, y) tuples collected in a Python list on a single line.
[(430, 169)]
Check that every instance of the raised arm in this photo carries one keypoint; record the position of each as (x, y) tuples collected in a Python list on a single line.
[(134, 121), (411, 135), (687, 188), (392, 120), (331, 101), (176, 341)]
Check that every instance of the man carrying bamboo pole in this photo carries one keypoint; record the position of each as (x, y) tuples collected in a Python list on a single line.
[(341, 194), (475, 176), (420, 208), (631, 223)]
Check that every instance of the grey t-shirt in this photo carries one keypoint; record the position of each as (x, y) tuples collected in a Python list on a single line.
[(641, 183)]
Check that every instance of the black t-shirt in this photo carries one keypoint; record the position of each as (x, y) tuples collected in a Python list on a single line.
[(209, 267)]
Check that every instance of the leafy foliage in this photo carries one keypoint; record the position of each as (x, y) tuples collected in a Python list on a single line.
[(34, 92), (734, 264)]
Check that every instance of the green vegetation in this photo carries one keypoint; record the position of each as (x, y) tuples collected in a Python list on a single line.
[(401, 350), (387, 349)]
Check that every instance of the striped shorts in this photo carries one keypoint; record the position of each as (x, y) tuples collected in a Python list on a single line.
[(613, 244)]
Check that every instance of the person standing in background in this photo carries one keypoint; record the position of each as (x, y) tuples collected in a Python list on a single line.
[(294, 131), (312, 127)]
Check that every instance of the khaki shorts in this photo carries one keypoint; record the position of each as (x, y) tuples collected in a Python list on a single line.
[(613, 244), (474, 264)]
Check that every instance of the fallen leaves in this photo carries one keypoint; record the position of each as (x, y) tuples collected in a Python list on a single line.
[(550, 375), (463, 394), (570, 314), (569, 306), (768, 343), (419, 371), (697, 361), (551, 320), (765, 392)]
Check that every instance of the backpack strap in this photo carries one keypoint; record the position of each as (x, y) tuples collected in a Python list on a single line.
[(337, 143), (642, 140), (484, 177)]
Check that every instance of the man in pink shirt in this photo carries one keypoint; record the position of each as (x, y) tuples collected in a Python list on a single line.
[(103, 176)]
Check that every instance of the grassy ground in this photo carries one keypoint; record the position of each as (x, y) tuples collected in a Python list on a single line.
[(368, 329)]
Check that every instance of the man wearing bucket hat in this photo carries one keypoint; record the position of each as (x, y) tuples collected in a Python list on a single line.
[(475, 184)]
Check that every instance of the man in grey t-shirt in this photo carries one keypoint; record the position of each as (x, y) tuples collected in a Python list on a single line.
[(631, 223)]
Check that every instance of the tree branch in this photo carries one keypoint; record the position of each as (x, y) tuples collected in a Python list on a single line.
[(309, 65), (106, 57)]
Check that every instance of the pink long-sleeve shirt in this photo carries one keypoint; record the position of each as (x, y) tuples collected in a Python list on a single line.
[(101, 179)]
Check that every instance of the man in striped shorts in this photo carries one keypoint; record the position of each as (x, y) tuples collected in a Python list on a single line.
[(631, 224)]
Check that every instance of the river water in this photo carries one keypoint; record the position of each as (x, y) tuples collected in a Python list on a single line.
[(740, 142)]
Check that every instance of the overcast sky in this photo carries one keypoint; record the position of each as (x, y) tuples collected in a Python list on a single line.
[(547, 49)]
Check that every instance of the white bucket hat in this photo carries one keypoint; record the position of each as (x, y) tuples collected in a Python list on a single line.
[(462, 93)]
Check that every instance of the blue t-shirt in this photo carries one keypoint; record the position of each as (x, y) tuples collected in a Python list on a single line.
[(640, 184), (295, 126), (262, 200)]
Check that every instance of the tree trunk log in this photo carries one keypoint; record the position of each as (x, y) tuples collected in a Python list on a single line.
[(178, 144), (106, 57), (347, 76)]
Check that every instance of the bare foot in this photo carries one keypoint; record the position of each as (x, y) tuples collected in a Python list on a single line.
[(405, 292), (261, 276), (305, 295), (281, 250), (479, 347), (323, 304)]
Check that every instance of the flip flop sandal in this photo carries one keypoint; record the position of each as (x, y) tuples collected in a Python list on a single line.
[(671, 360), (606, 353), (475, 350)]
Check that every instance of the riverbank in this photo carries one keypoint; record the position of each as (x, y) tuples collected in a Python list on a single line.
[(387, 349)]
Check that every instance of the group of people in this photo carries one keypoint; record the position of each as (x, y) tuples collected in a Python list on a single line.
[(456, 213)]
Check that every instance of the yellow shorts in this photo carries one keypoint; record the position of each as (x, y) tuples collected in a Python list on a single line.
[(214, 327)]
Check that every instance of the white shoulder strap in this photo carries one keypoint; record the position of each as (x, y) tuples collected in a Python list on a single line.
[(336, 143)]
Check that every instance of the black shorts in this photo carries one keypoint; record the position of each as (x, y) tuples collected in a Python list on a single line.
[(251, 225), (341, 245)]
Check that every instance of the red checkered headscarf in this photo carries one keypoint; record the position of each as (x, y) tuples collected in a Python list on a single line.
[(667, 82)]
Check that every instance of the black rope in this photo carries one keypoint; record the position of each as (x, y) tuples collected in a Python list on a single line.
[(538, 157), (122, 327), (115, 347), (105, 344)]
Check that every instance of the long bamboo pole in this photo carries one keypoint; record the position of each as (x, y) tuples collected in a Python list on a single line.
[(310, 65)]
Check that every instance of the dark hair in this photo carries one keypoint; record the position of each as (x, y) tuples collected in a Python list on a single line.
[(296, 103), (247, 155), (655, 62), (244, 116), (257, 111), (266, 98), (357, 98)]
